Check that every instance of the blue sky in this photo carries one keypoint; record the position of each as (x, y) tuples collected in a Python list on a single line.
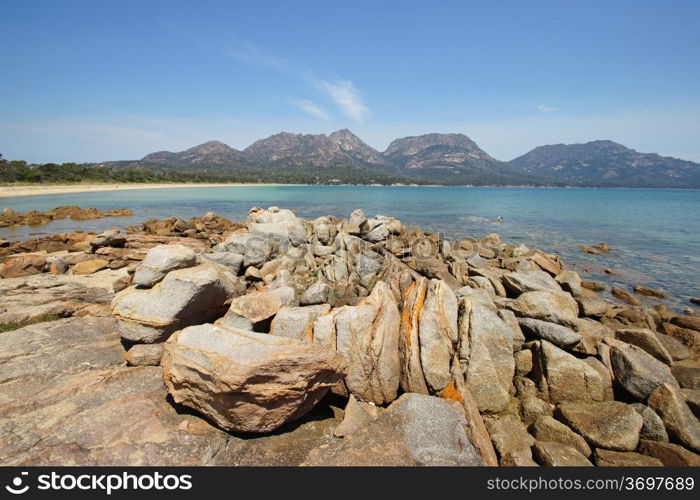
[(93, 81)]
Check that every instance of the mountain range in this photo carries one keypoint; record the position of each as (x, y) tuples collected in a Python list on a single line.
[(450, 159)]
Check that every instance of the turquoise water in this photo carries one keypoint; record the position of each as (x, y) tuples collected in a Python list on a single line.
[(655, 233)]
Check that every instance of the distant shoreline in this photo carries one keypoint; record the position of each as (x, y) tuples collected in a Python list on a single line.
[(16, 191), (49, 189)]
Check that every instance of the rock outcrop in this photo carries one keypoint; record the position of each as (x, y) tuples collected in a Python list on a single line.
[(447, 352)]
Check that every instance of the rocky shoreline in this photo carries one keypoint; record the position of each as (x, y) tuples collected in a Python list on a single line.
[(358, 341), (8, 217)]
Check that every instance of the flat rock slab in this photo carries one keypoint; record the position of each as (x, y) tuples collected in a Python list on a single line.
[(29, 297), (69, 399)]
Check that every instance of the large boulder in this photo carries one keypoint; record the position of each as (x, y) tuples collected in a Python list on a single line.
[(69, 376), (109, 238), (160, 260), (554, 307), (551, 332), (367, 336), (681, 424), (561, 376), (255, 249), (611, 424), (414, 430), (231, 260), (438, 334), (647, 340), (247, 381), (185, 297), (279, 225), (486, 355), (521, 282), (638, 372)]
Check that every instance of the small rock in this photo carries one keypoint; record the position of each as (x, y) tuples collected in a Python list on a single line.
[(318, 293), (256, 306), (609, 458), (671, 455), (160, 260), (597, 249), (626, 296), (253, 274), (690, 322), (144, 355), (510, 436), (90, 266), (652, 426), (58, 266), (108, 238), (546, 428), (523, 362), (229, 259), (185, 297), (649, 292), (555, 307), (570, 281), (692, 399), (596, 286), (357, 415), (676, 349), (553, 454), (297, 322), (592, 306)]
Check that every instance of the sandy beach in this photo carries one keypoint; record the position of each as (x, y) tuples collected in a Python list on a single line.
[(13, 191)]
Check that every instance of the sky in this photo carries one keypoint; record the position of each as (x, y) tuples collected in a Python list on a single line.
[(93, 81)]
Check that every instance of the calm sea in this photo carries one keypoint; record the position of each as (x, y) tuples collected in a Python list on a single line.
[(655, 233)]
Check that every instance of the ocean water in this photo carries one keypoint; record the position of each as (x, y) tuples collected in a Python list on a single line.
[(655, 234)]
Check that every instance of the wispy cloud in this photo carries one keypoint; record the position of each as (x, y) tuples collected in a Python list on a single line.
[(346, 97), (545, 108), (342, 92), (311, 108), (256, 56)]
